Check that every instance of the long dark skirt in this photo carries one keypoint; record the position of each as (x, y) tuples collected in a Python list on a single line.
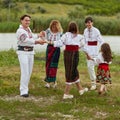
[(52, 59), (71, 59), (103, 74)]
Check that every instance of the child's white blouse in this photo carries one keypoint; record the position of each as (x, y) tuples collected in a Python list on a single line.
[(99, 59)]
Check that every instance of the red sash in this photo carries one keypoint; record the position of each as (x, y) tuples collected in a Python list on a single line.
[(92, 43), (71, 47)]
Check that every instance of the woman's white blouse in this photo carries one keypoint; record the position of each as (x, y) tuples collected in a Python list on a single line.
[(25, 38), (70, 39), (50, 36)]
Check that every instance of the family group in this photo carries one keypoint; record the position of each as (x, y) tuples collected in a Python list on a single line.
[(97, 52)]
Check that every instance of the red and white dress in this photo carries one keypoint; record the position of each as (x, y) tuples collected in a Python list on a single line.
[(52, 56), (103, 71)]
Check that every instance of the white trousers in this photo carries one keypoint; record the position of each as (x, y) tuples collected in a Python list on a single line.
[(26, 66), (91, 71)]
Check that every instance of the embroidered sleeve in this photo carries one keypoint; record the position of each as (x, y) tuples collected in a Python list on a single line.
[(22, 37)]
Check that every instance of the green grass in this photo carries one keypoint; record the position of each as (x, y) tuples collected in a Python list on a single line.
[(47, 104)]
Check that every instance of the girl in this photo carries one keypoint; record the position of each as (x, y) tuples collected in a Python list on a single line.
[(72, 41), (103, 70)]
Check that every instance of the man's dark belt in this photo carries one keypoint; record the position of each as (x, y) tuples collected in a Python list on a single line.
[(25, 48)]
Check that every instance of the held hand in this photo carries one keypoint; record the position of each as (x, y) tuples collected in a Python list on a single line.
[(41, 34), (88, 57), (42, 42), (50, 42)]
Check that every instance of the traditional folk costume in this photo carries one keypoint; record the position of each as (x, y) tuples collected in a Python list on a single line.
[(52, 56), (103, 71), (26, 41), (93, 40), (71, 55)]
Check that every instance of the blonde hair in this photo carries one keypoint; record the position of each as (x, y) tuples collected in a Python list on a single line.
[(57, 24)]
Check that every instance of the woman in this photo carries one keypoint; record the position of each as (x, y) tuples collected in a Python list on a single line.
[(72, 41), (26, 41), (53, 33)]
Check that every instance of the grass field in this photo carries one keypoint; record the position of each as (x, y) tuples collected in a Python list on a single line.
[(47, 104)]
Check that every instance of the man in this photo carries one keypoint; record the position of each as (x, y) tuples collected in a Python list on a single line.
[(26, 41), (93, 40)]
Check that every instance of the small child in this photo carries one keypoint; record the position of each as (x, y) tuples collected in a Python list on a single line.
[(103, 71)]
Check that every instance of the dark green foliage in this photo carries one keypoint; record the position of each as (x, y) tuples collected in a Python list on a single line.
[(8, 3), (108, 26), (41, 9), (8, 27), (96, 7), (99, 9), (78, 12)]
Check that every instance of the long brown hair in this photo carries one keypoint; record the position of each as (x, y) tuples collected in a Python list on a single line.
[(73, 27), (106, 52)]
